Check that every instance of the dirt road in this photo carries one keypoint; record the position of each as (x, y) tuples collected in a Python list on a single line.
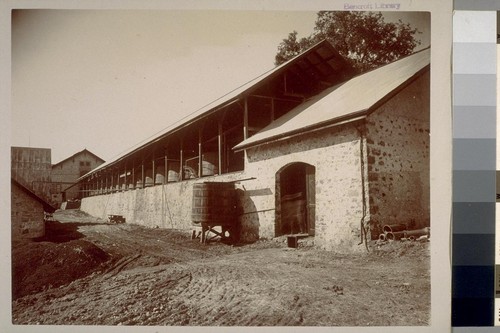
[(88, 272)]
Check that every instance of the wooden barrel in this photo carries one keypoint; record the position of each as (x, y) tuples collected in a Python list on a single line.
[(148, 180), (159, 179), (173, 176), (208, 169), (214, 203)]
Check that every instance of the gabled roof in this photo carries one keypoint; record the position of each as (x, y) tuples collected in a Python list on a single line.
[(347, 101), (46, 206), (79, 153), (321, 61)]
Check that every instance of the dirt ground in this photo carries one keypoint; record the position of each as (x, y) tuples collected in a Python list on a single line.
[(86, 271)]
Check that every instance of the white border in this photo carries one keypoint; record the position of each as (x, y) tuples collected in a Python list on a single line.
[(440, 149)]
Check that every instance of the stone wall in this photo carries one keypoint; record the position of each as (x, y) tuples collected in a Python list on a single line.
[(26, 215), (398, 158), (335, 154), (162, 206)]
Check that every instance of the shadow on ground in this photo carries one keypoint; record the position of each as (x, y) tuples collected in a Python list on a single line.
[(58, 258), (57, 232)]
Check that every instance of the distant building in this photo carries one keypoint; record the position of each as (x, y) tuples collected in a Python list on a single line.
[(66, 172), (32, 168), (27, 212)]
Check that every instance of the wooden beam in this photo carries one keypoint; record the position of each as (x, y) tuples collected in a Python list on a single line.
[(181, 153), (154, 169), (142, 173), (219, 146), (293, 100), (245, 119), (133, 175), (165, 179), (200, 157), (125, 178)]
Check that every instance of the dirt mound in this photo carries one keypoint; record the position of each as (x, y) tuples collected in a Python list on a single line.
[(41, 265), (75, 215), (393, 249)]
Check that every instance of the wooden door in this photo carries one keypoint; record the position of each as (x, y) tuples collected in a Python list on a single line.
[(311, 199)]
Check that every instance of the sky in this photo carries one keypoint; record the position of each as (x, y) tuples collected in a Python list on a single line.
[(107, 80)]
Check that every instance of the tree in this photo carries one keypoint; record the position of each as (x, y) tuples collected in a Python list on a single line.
[(363, 38)]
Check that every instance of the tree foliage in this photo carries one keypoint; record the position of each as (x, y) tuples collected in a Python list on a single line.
[(363, 38)]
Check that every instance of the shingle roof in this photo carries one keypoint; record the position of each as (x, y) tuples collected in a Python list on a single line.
[(347, 101)]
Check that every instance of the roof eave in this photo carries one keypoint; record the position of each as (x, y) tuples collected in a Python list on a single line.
[(312, 128), (46, 206), (339, 120)]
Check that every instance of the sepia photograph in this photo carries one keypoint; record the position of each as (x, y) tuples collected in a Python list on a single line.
[(221, 167)]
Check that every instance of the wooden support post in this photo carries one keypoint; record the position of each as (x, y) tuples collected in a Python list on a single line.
[(200, 157), (181, 173), (245, 126), (219, 146), (165, 179), (154, 169), (142, 173), (203, 239), (125, 178), (134, 175), (245, 119)]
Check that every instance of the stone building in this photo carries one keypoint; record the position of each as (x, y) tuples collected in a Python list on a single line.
[(312, 147), (66, 173), (27, 212)]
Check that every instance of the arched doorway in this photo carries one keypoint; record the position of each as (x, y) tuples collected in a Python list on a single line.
[(295, 199)]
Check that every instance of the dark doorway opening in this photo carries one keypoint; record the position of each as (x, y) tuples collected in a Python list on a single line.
[(295, 199)]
